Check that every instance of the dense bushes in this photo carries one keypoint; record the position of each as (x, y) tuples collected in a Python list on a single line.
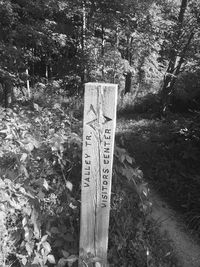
[(187, 91), (39, 152)]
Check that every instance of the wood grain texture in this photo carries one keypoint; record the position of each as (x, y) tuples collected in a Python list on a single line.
[(98, 144)]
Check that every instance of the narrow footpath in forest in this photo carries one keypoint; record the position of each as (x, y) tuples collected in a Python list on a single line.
[(187, 250), (150, 142)]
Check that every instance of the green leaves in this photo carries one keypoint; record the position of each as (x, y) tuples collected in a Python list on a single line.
[(125, 167), (67, 259), (51, 259), (40, 150)]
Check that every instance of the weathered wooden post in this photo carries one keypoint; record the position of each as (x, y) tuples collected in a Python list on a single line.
[(98, 144)]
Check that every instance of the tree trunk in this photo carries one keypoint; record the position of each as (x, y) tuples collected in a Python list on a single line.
[(8, 93), (117, 37), (46, 72), (128, 82), (83, 43), (83, 24), (28, 85), (174, 66), (102, 40), (182, 12)]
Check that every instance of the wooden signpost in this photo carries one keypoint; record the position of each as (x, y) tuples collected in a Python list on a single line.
[(98, 144)]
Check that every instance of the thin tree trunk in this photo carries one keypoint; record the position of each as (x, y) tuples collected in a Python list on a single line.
[(102, 52), (28, 85), (117, 37), (8, 93), (182, 12), (171, 76), (102, 40), (46, 72), (83, 41), (174, 66), (128, 80), (181, 60), (83, 25)]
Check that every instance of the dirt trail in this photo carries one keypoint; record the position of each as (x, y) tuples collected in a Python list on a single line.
[(146, 140), (188, 252)]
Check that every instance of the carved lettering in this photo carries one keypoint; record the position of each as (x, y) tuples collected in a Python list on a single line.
[(86, 185), (105, 170), (106, 176), (87, 167), (108, 131), (88, 137)]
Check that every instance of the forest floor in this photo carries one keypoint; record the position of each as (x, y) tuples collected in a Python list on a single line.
[(168, 162)]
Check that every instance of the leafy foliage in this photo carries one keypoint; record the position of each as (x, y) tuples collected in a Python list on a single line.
[(37, 182)]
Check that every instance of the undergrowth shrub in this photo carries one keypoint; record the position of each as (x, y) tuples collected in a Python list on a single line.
[(55, 93), (187, 91), (36, 168), (149, 103)]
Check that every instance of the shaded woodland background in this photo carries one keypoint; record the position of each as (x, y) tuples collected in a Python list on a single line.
[(145, 47), (48, 50)]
